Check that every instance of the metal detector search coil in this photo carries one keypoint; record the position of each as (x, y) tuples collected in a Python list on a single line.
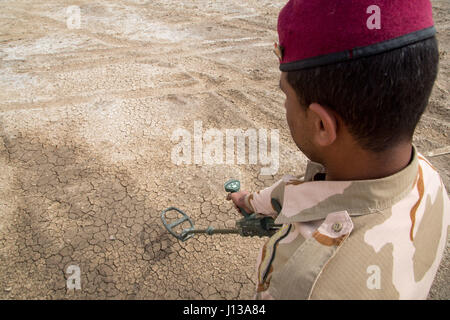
[(183, 236)]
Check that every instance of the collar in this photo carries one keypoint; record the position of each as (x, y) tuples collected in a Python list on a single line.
[(314, 200)]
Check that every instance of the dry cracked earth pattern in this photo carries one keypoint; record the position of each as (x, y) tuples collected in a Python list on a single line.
[(86, 119)]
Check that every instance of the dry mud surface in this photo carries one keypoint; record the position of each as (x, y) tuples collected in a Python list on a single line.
[(86, 117)]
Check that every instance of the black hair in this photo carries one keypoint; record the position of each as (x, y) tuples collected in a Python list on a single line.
[(380, 98)]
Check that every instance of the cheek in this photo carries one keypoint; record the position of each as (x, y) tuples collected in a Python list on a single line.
[(295, 129), (290, 122), (289, 116), (292, 118), (297, 125)]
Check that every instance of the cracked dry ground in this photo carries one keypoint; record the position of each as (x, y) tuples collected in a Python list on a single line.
[(86, 117)]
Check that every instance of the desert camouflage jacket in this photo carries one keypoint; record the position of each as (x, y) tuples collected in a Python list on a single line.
[(368, 239)]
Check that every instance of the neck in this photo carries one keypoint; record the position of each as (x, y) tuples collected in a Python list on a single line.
[(359, 164)]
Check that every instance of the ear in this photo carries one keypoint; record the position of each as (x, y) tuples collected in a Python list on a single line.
[(324, 124)]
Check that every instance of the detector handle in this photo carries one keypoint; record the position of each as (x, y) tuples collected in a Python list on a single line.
[(232, 186)]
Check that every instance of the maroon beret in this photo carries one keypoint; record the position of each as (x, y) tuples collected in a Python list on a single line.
[(319, 32)]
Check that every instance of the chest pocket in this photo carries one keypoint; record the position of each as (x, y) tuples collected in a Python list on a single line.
[(296, 279)]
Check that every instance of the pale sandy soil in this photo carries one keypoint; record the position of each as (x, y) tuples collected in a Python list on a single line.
[(86, 117)]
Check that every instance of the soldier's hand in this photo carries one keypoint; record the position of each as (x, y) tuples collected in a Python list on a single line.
[(238, 200)]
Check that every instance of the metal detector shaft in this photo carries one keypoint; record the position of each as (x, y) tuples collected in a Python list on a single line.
[(213, 231)]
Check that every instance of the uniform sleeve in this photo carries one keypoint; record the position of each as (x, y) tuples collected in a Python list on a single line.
[(261, 201)]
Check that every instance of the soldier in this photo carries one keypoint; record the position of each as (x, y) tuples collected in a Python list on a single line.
[(369, 219)]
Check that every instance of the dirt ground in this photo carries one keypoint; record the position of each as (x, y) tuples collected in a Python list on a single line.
[(86, 118)]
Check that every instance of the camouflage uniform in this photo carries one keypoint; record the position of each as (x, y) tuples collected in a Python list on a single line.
[(367, 239)]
